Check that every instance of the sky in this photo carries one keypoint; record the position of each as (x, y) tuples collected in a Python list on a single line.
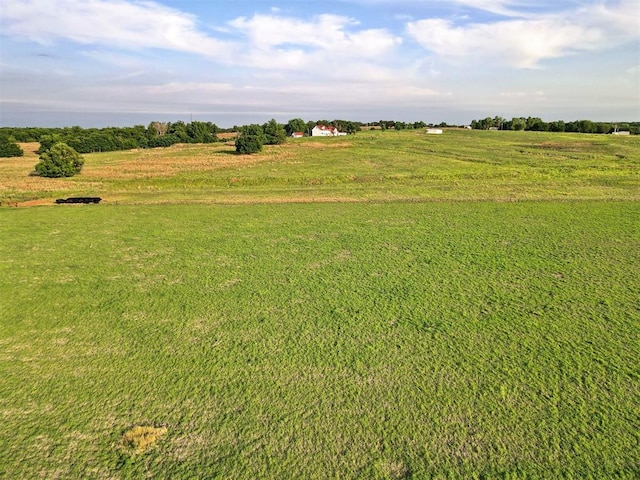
[(97, 63)]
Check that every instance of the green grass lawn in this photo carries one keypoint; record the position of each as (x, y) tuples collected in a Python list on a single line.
[(387, 305), (395, 340)]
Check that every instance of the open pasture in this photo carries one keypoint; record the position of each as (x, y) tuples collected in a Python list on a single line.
[(392, 340), (370, 166), (395, 334)]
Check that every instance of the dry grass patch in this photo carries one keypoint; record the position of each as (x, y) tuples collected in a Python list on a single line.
[(228, 135), (167, 162), (141, 439), (30, 148), (392, 470)]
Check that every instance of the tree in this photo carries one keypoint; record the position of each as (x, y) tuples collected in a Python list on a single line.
[(310, 126), (202, 132), (295, 125), (60, 161), (10, 148), (558, 126), (518, 123), (352, 127), (250, 140), (536, 124), (274, 133), (179, 129), (48, 141), (157, 129)]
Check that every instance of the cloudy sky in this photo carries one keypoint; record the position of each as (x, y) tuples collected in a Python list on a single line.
[(126, 62)]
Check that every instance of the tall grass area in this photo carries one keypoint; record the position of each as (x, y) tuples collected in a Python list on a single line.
[(370, 166), (335, 340)]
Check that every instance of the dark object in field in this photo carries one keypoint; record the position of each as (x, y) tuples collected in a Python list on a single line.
[(79, 200)]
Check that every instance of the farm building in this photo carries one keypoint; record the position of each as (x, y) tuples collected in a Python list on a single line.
[(434, 131), (297, 134), (325, 131)]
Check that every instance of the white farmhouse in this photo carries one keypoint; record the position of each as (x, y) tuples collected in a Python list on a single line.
[(326, 131)]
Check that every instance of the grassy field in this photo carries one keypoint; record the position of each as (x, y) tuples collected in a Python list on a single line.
[(380, 166), (395, 334)]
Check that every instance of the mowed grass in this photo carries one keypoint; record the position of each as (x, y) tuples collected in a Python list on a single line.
[(370, 166), (335, 340), (385, 305)]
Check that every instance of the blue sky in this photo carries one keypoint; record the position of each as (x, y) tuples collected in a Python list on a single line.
[(126, 62)]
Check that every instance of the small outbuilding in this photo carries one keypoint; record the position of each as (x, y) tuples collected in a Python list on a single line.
[(297, 134)]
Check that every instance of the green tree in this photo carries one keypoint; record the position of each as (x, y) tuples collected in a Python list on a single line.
[(310, 126), (60, 161), (9, 147), (352, 128), (274, 133), (295, 125), (558, 126), (202, 132), (536, 124), (250, 139), (48, 141), (179, 129), (518, 123)]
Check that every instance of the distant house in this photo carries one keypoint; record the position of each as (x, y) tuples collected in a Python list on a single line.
[(434, 131), (297, 134), (326, 131)]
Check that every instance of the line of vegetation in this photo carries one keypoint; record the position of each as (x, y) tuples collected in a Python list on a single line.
[(9, 147), (92, 140), (166, 134), (536, 124)]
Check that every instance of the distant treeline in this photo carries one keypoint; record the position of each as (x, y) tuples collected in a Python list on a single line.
[(538, 125), (165, 134), (89, 140)]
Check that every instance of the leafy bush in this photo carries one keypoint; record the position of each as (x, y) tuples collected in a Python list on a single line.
[(10, 149), (164, 141), (250, 140), (60, 161)]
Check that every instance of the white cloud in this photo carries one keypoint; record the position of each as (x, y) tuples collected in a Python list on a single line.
[(125, 24), (538, 94), (320, 48), (520, 43), (526, 42), (323, 32)]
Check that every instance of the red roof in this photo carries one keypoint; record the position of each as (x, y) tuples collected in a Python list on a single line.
[(325, 127)]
